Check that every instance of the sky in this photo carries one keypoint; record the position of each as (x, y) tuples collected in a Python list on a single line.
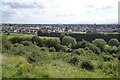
[(59, 11)]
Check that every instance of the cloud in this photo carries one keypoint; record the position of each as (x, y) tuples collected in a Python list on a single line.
[(59, 11), (6, 13), (106, 7), (89, 6), (24, 5)]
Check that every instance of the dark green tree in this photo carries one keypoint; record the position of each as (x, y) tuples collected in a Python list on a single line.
[(69, 41), (113, 42), (99, 43)]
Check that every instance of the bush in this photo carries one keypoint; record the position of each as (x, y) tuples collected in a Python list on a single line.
[(17, 49), (17, 45), (62, 35), (99, 43), (84, 44), (52, 43), (74, 60), (35, 39), (63, 48), (16, 40), (82, 51), (6, 43), (107, 58), (113, 42), (119, 57), (87, 65), (26, 43), (69, 41), (44, 48), (52, 49)]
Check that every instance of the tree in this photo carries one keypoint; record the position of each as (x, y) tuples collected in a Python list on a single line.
[(99, 43), (88, 65), (35, 39), (85, 44), (62, 35), (113, 42), (16, 39), (6, 43), (67, 40)]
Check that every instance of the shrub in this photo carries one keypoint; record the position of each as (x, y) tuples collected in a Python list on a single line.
[(17, 49), (107, 57), (16, 40), (79, 51), (113, 42), (99, 43), (119, 57), (52, 43), (87, 65), (52, 49), (74, 60), (17, 45), (108, 48), (8, 33), (44, 48), (35, 39), (69, 41), (114, 49), (26, 43), (84, 44), (63, 48), (62, 35), (82, 51), (81, 44), (6, 43)]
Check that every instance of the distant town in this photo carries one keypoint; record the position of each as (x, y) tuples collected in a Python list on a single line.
[(34, 28)]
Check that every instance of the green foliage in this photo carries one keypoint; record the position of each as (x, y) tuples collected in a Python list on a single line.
[(5, 43), (52, 49), (84, 44), (63, 48), (44, 49), (35, 39), (18, 39), (26, 43), (108, 48), (53, 43), (87, 65), (62, 35), (107, 58), (69, 41), (113, 42), (17, 67), (74, 60), (99, 43), (42, 60)]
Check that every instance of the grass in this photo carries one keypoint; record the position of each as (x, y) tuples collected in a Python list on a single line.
[(53, 69), (52, 64), (28, 35)]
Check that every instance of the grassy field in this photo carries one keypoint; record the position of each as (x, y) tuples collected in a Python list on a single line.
[(28, 35), (28, 60), (54, 69)]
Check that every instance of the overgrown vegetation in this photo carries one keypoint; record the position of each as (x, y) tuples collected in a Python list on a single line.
[(36, 57)]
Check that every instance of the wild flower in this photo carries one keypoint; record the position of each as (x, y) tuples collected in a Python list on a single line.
[(22, 65), (36, 67)]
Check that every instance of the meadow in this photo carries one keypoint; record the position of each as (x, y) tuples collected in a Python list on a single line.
[(32, 56)]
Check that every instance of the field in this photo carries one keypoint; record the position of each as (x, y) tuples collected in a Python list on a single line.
[(32, 56), (28, 35)]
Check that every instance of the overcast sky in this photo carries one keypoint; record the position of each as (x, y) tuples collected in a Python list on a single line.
[(59, 11)]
